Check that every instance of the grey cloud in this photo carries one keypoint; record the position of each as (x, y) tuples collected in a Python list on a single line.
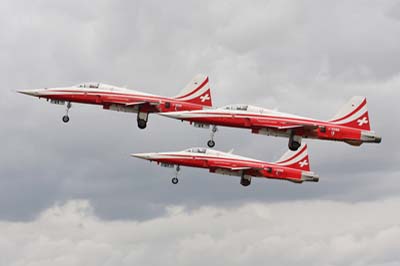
[(364, 233)]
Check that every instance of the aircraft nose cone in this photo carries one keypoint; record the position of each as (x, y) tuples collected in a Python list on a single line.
[(28, 92), (31, 92), (145, 156)]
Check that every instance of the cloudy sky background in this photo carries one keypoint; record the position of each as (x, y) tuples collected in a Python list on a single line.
[(74, 188)]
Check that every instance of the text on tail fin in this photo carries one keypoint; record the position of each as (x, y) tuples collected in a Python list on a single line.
[(353, 114), (197, 91), (296, 159)]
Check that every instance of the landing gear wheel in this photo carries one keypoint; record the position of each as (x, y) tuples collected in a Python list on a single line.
[(211, 143), (65, 119), (245, 182), (142, 118), (174, 180), (294, 141), (142, 123), (294, 145)]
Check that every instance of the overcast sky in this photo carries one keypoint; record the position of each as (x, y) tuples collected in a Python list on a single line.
[(302, 57)]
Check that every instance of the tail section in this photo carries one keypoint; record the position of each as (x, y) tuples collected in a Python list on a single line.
[(197, 91), (296, 159), (354, 114)]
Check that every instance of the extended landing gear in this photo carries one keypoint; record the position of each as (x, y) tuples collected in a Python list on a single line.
[(142, 118), (65, 118), (294, 142), (211, 142), (175, 179), (245, 180)]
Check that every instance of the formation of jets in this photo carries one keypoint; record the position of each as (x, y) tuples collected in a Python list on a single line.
[(194, 104)]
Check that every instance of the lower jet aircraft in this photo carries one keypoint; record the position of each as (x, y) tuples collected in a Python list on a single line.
[(292, 166), (351, 124), (195, 96)]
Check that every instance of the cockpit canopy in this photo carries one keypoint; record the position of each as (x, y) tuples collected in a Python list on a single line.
[(99, 86), (201, 150), (246, 108), (197, 150), (238, 107), (91, 85)]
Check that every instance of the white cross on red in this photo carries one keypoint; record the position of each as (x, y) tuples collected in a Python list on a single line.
[(303, 163), (362, 121), (204, 98)]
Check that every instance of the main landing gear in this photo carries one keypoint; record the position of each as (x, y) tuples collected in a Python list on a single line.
[(142, 118), (211, 142), (175, 179), (294, 142), (65, 118), (245, 180)]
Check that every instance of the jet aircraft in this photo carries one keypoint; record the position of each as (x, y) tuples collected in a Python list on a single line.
[(195, 96), (292, 166), (350, 125)]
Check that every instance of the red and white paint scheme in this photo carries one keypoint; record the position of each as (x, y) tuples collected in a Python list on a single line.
[(351, 124), (292, 166), (195, 96)]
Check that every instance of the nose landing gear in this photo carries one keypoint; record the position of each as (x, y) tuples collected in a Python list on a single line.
[(175, 179), (211, 142), (65, 118)]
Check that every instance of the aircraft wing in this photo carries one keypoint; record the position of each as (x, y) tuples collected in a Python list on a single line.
[(305, 126), (130, 104), (244, 168), (259, 123), (139, 103)]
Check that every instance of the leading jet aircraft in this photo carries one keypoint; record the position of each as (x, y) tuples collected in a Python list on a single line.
[(196, 95), (350, 125), (292, 166)]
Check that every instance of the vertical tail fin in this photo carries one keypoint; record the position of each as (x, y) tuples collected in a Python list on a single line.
[(296, 159), (197, 91), (353, 114)]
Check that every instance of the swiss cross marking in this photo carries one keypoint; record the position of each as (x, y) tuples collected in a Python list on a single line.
[(362, 121), (204, 98), (303, 163)]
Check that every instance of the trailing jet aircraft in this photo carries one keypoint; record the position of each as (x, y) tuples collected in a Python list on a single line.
[(195, 96), (292, 166), (351, 124)]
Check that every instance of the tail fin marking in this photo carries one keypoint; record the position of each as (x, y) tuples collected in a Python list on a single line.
[(296, 159), (197, 91), (354, 114)]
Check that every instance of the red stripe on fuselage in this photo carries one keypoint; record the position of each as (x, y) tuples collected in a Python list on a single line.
[(122, 97), (243, 116), (214, 157), (279, 171)]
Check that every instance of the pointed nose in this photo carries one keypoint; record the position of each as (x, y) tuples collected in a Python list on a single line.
[(31, 92), (145, 156)]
